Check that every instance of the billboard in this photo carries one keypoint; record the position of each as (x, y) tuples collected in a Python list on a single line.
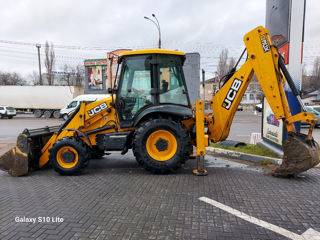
[(95, 71), (277, 21), (95, 78)]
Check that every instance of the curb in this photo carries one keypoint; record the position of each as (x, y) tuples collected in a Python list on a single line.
[(242, 156)]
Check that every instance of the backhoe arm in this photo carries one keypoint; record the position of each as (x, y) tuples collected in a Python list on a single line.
[(263, 60)]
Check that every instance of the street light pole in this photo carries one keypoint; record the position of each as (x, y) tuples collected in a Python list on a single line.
[(158, 27), (39, 46)]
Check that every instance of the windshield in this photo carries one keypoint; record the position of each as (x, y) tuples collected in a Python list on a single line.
[(73, 104), (10, 108)]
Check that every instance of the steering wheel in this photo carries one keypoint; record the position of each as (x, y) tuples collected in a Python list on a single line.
[(134, 92)]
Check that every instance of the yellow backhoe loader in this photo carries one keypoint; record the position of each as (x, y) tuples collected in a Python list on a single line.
[(149, 112)]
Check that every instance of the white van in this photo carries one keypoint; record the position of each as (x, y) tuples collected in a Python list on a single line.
[(65, 112)]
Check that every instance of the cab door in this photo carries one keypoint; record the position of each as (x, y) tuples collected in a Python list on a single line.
[(134, 92)]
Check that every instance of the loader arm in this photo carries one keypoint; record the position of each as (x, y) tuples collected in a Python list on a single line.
[(263, 60)]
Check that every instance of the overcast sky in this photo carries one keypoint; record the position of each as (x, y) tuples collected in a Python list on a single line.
[(188, 25)]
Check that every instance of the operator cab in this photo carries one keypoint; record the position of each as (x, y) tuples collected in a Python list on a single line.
[(150, 79)]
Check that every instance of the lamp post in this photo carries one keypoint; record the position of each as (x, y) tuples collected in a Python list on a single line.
[(158, 27), (39, 46)]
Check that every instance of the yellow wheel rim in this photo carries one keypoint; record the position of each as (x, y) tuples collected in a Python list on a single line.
[(64, 163), (161, 145)]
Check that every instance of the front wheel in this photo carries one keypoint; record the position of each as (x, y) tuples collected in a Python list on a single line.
[(161, 145), (69, 156)]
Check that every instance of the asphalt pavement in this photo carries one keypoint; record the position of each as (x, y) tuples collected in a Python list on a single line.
[(117, 199)]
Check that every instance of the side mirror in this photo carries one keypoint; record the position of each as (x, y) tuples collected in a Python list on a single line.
[(109, 90)]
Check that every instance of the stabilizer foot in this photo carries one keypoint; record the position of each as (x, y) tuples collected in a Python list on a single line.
[(200, 171)]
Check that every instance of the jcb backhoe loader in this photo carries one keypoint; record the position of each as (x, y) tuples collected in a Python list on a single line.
[(150, 113)]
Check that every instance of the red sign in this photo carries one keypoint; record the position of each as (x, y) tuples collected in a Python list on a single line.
[(284, 51)]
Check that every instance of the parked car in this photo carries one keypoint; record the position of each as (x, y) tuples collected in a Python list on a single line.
[(315, 107), (259, 107), (67, 111), (6, 111), (240, 108), (316, 113)]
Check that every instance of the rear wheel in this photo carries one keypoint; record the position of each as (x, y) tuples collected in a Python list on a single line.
[(47, 114), (160, 145), (56, 114), (0, 116), (69, 156), (37, 113), (10, 117)]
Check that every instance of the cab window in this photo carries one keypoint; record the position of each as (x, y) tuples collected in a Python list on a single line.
[(171, 84)]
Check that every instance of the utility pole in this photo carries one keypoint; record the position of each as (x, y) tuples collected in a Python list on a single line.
[(158, 27), (203, 84), (39, 46)]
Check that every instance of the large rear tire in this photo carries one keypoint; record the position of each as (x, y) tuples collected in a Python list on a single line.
[(68, 156), (161, 145)]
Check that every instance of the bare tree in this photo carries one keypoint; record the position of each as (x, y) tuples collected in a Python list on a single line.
[(231, 64), (316, 68), (34, 78), (74, 75), (49, 61), (79, 76), (222, 68), (7, 78)]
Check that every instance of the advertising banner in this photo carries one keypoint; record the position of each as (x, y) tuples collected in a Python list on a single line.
[(272, 127), (95, 78)]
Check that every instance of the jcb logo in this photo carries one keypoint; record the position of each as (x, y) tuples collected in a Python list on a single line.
[(97, 109), (264, 43), (227, 102)]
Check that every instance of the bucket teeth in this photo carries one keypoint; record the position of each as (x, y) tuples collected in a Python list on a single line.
[(300, 154)]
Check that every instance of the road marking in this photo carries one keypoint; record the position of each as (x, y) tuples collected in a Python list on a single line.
[(310, 234)]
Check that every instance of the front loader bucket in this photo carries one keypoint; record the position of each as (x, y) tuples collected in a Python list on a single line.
[(24, 157), (15, 161), (299, 155)]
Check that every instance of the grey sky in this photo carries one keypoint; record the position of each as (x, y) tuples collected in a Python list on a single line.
[(205, 26)]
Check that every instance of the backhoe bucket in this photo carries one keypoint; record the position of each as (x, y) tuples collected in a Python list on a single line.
[(25, 156), (300, 154)]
